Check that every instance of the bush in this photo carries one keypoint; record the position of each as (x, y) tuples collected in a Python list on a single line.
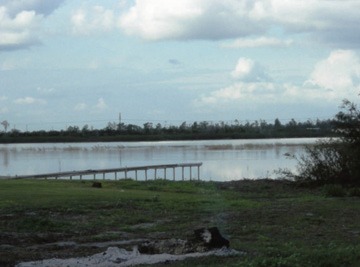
[(354, 192), (334, 191), (336, 161), (322, 164)]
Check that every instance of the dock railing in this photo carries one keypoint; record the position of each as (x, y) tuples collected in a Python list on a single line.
[(124, 170)]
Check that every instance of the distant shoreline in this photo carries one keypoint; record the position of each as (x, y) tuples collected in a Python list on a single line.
[(5, 139)]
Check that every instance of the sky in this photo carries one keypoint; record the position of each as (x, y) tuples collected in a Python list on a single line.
[(74, 63)]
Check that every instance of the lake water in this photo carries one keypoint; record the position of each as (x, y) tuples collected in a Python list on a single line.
[(223, 160)]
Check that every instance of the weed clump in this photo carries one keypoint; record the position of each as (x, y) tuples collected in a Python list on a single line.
[(354, 192), (334, 190)]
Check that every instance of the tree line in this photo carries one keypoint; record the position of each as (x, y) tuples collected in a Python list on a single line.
[(185, 131)]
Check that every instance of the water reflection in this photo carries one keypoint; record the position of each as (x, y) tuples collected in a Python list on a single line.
[(222, 159)]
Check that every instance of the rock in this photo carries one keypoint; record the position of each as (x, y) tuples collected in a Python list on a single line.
[(211, 237), (97, 185)]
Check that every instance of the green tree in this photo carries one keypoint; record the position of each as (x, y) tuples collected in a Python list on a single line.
[(5, 124), (148, 127), (277, 124), (347, 124)]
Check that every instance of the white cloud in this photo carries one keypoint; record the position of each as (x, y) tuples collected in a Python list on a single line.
[(20, 21), (80, 107), (308, 94), (264, 93), (29, 101), (4, 110), (334, 22), (7, 65), (189, 19), (243, 68), (96, 19), (101, 105), (16, 31), (13, 63), (332, 80), (340, 73), (39, 6), (3, 98), (45, 91), (255, 87), (242, 91), (258, 42), (248, 70)]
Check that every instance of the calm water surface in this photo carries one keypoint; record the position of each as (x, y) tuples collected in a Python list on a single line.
[(222, 160)]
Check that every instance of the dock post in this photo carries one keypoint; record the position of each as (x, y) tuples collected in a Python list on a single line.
[(135, 175), (155, 173), (182, 173), (174, 173), (198, 172), (165, 173), (146, 174), (80, 177), (115, 176), (190, 174), (103, 175), (94, 176), (125, 174)]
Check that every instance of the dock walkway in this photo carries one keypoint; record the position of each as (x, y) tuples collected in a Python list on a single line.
[(125, 171)]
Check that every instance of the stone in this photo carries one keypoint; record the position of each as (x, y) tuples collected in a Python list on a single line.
[(211, 237)]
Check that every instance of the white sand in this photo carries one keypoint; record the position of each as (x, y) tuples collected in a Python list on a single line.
[(116, 257)]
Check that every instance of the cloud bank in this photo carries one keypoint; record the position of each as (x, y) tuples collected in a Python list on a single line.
[(334, 22), (333, 79), (248, 23)]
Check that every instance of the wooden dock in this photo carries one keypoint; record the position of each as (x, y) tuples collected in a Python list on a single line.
[(126, 170)]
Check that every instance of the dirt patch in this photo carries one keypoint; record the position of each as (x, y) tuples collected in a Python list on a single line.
[(204, 242), (117, 257)]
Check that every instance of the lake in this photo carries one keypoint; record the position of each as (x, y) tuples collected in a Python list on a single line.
[(223, 160)]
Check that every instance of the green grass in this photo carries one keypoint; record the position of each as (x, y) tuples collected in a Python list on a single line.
[(274, 222)]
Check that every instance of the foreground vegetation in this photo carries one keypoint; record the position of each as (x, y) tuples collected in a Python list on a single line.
[(276, 223), (334, 161)]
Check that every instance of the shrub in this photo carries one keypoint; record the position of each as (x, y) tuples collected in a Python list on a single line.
[(333, 190), (321, 163), (335, 161), (354, 192)]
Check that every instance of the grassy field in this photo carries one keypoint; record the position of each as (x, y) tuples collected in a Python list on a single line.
[(275, 222)]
